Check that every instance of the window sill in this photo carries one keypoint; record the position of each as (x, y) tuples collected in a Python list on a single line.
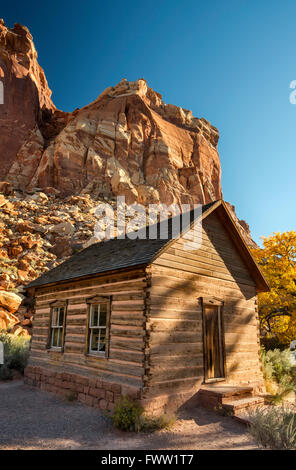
[(96, 355), (53, 349)]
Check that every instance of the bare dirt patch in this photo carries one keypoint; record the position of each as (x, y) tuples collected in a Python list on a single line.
[(31, 419)]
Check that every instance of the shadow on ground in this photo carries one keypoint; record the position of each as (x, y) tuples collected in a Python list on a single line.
[(31, 419)]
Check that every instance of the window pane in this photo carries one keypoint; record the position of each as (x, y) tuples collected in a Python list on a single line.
[(54, 320), (94, 339), (55, 333), (94, 315), (102, 340), (59, 337), (61, 316), (103, 314)]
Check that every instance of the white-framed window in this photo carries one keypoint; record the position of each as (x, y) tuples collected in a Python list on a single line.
[(98, 328), (57, 327)]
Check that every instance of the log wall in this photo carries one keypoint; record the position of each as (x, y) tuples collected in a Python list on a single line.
[(212, 267), (156, 339), (124, 366)]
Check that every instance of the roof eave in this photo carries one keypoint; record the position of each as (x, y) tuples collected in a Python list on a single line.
[(261, 282), (221, 208), (88, 276)]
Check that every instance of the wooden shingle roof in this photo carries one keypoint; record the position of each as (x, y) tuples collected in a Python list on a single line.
[(116, 254)]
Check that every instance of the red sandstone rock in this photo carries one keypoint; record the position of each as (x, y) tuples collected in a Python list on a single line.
[(9, 301), (7, 319), (26, 94), (6, 188), (19, 331), (127, 142)]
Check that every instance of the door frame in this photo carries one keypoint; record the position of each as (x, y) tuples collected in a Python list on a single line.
[(214, 302)]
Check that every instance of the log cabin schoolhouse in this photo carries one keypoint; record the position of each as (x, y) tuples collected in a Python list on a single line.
[(149, 319)]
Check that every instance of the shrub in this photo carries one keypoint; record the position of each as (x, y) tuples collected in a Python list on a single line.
[(71, 396), (278, 373), (16, 352), (276, 364), (274, 427), (281, 363), (128, 415), (5, 372), (154, 423)]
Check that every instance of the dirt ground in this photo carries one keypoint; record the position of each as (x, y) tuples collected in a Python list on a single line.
[(31, 419)]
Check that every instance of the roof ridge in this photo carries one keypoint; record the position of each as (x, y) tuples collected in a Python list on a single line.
[(119, 252)]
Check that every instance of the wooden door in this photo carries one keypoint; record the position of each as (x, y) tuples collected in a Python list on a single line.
[(213, 343)]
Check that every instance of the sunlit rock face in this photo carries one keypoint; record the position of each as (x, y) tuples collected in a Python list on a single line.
[(26, 95), (127, 142)]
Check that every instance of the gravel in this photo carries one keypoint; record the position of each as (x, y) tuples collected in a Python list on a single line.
[(31, 419)]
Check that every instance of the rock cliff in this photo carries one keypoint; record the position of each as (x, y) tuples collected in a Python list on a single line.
[(127, 142)]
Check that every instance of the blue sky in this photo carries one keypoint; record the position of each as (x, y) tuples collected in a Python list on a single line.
[(230, 61)]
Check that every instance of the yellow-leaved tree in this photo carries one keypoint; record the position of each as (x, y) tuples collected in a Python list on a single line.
[(277, 308)]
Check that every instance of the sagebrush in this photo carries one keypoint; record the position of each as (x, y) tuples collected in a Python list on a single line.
[(16, 353), (274, 427), (128, 415), (278, 373)]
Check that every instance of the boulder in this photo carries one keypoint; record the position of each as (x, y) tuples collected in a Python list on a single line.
[(3, 200), (6, 188), (64, 228), (27, 322), (7, 320), (10, 301), (19, 331), (62, 247)]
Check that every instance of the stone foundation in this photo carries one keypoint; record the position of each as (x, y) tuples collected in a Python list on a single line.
[(91, 391), (102, 394)]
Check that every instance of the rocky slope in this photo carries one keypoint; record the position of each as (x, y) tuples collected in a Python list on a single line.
[(37, 232)]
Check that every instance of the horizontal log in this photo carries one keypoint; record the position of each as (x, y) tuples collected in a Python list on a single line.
[(156, 325), (182, 302), (40, 331), (221, 265), (126, 332), (193, 359), (78, 320), (170, 313), (182, 349), (76, 330), (125, 354), (137, 295), (172, 387), (74, 347), (130, 321), (127, 308), (37, 346), (175, 262), (168, 276), (232, 348), (176, 337), (165, 374), (77, 288), (126, 343), (72, 338)]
